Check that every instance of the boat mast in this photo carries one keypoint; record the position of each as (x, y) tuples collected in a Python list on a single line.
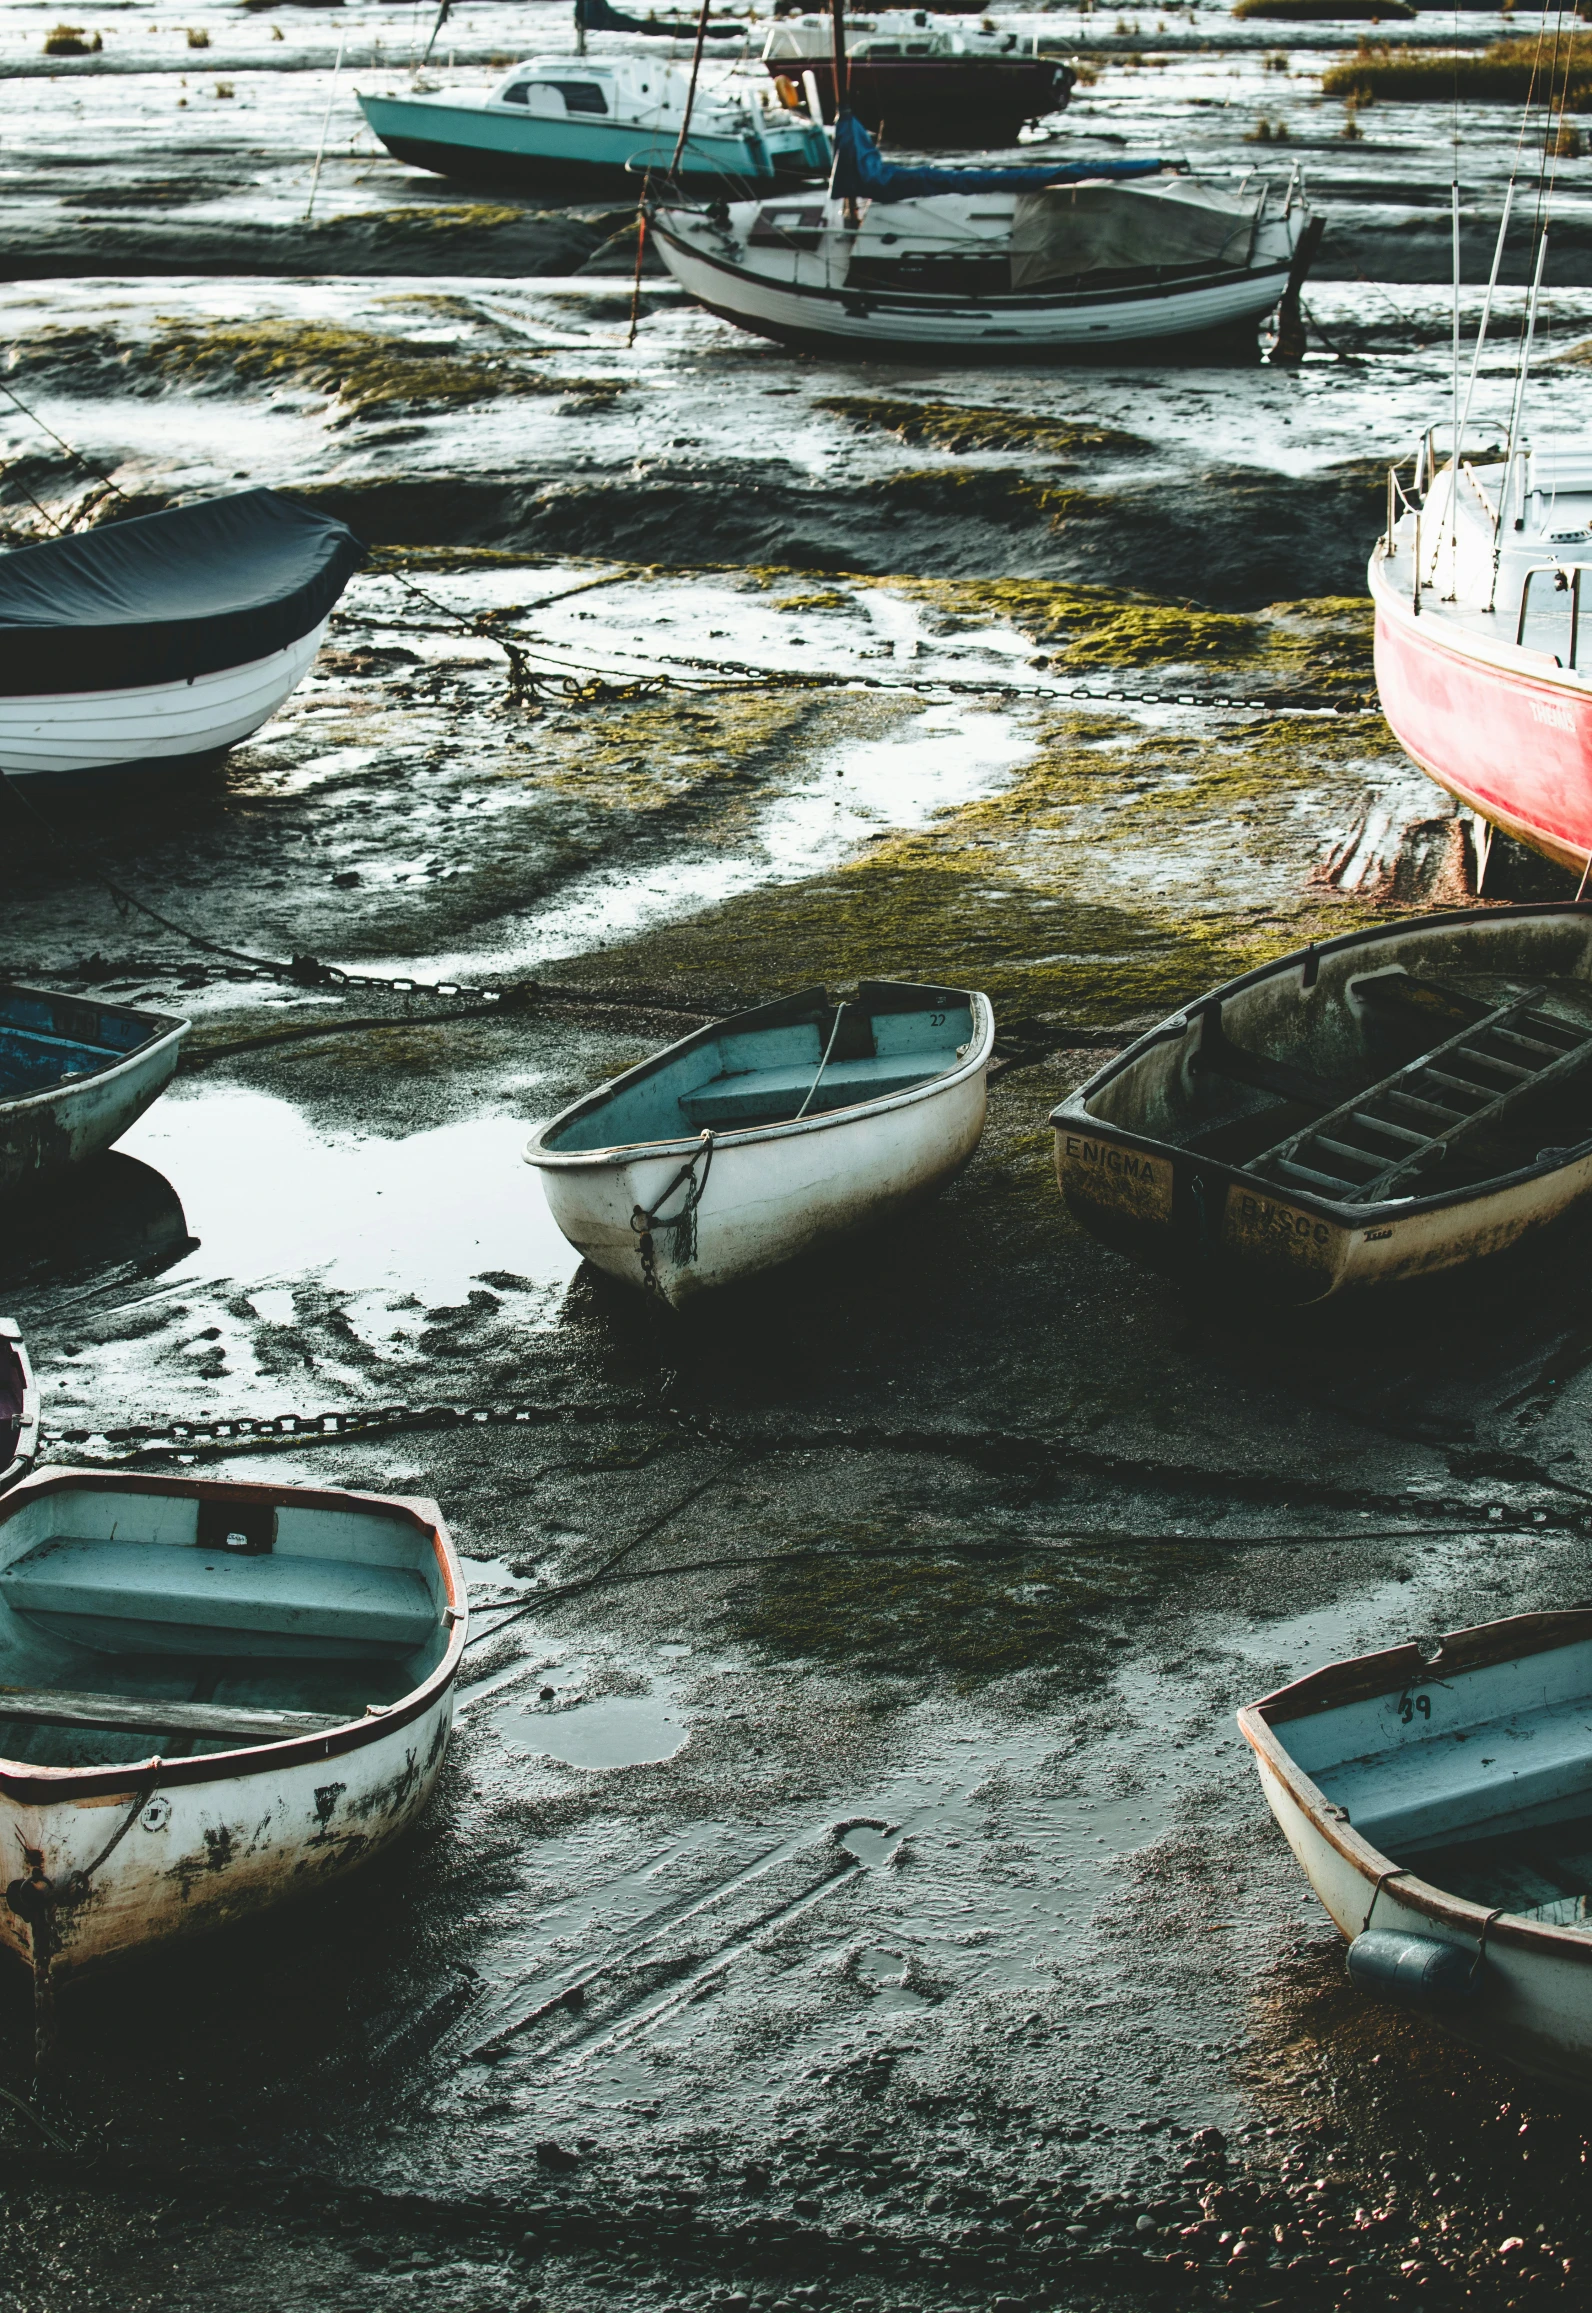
[(1453, 456), (1516, 410), (837, 10)]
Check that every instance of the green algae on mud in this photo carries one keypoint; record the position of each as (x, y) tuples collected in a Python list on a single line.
[(651, 753), (960, 426), (878, 1598), (368, 373)]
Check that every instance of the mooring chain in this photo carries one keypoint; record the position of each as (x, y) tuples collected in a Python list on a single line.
[(646, 1224), (245, 1431)]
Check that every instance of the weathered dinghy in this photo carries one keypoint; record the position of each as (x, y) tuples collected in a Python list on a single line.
[(166, 638), (1387, 1104), (753, 1139), (212, 1697), (1439, 1797), (19, 1407), (74, 1075)]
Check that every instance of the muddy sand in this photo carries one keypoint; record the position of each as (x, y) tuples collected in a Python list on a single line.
[(858, 1896)]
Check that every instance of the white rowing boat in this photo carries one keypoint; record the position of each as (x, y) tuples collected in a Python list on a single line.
[(212, 1697), (758, 1137), (1439, 1799)]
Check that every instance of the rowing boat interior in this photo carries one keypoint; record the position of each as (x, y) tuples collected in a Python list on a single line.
[(48, 1040), (133, 1622), (1395, 1068), (1478, 1781), (801, 1055)]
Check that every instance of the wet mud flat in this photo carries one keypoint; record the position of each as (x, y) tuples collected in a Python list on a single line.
[(847, 1886)]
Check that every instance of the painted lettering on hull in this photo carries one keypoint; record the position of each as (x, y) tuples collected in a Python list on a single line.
[(1109, 1174)]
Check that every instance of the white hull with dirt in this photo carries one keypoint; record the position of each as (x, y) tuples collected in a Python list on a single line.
[(761, 1136)]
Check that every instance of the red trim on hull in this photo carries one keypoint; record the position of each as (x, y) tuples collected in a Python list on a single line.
[(1515, 747)]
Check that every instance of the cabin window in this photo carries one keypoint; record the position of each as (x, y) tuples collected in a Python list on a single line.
[(578, 95), (883, 48), (520, 93)]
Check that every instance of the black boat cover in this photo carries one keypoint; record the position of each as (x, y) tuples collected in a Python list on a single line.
[(601, 16), (168, 596)]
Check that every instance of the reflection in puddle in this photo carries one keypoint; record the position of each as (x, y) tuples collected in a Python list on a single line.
[(269, 1197), (614, 1731), (937, 761), (112, 1214)]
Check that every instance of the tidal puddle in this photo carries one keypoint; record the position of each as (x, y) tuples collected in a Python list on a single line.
[(271, 1200), (612, 1731), (944, 757)]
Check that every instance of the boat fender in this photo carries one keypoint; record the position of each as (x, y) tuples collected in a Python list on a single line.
[(1413, 1971)]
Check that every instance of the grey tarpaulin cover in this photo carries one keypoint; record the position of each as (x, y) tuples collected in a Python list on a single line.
[(170, 595), (1167, 224)]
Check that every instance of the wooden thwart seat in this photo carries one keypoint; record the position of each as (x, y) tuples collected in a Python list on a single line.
[(45, 1707), (266, 1594), (760, 1095)]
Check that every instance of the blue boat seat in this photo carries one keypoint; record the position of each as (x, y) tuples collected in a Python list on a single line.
[(1474, 1783), (769, 1095), (270, 1596)]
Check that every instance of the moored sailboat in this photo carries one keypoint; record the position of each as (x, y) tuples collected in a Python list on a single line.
[(994, 263)]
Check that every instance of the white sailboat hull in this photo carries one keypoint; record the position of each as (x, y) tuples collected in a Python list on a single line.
[(1007, 326), (155, 722)]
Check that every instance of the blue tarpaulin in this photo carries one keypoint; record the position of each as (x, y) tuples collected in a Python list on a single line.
[(861, 174)]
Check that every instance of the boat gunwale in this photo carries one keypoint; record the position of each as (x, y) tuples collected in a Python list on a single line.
[(33, 1786), (1070, 1112), (27, 1445), (616, 1155), (1360, 1678), (1518, 661), (168, 1028), (893, 302)]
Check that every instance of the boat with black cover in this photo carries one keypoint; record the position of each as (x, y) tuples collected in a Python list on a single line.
[(166, 638)]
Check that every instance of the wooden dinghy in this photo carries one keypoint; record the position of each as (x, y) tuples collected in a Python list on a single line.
[(19, 1407), (166, 638), (1439, 1797), (1387, 1104), (74, 1075), (756, 1138), (212, 1697)]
